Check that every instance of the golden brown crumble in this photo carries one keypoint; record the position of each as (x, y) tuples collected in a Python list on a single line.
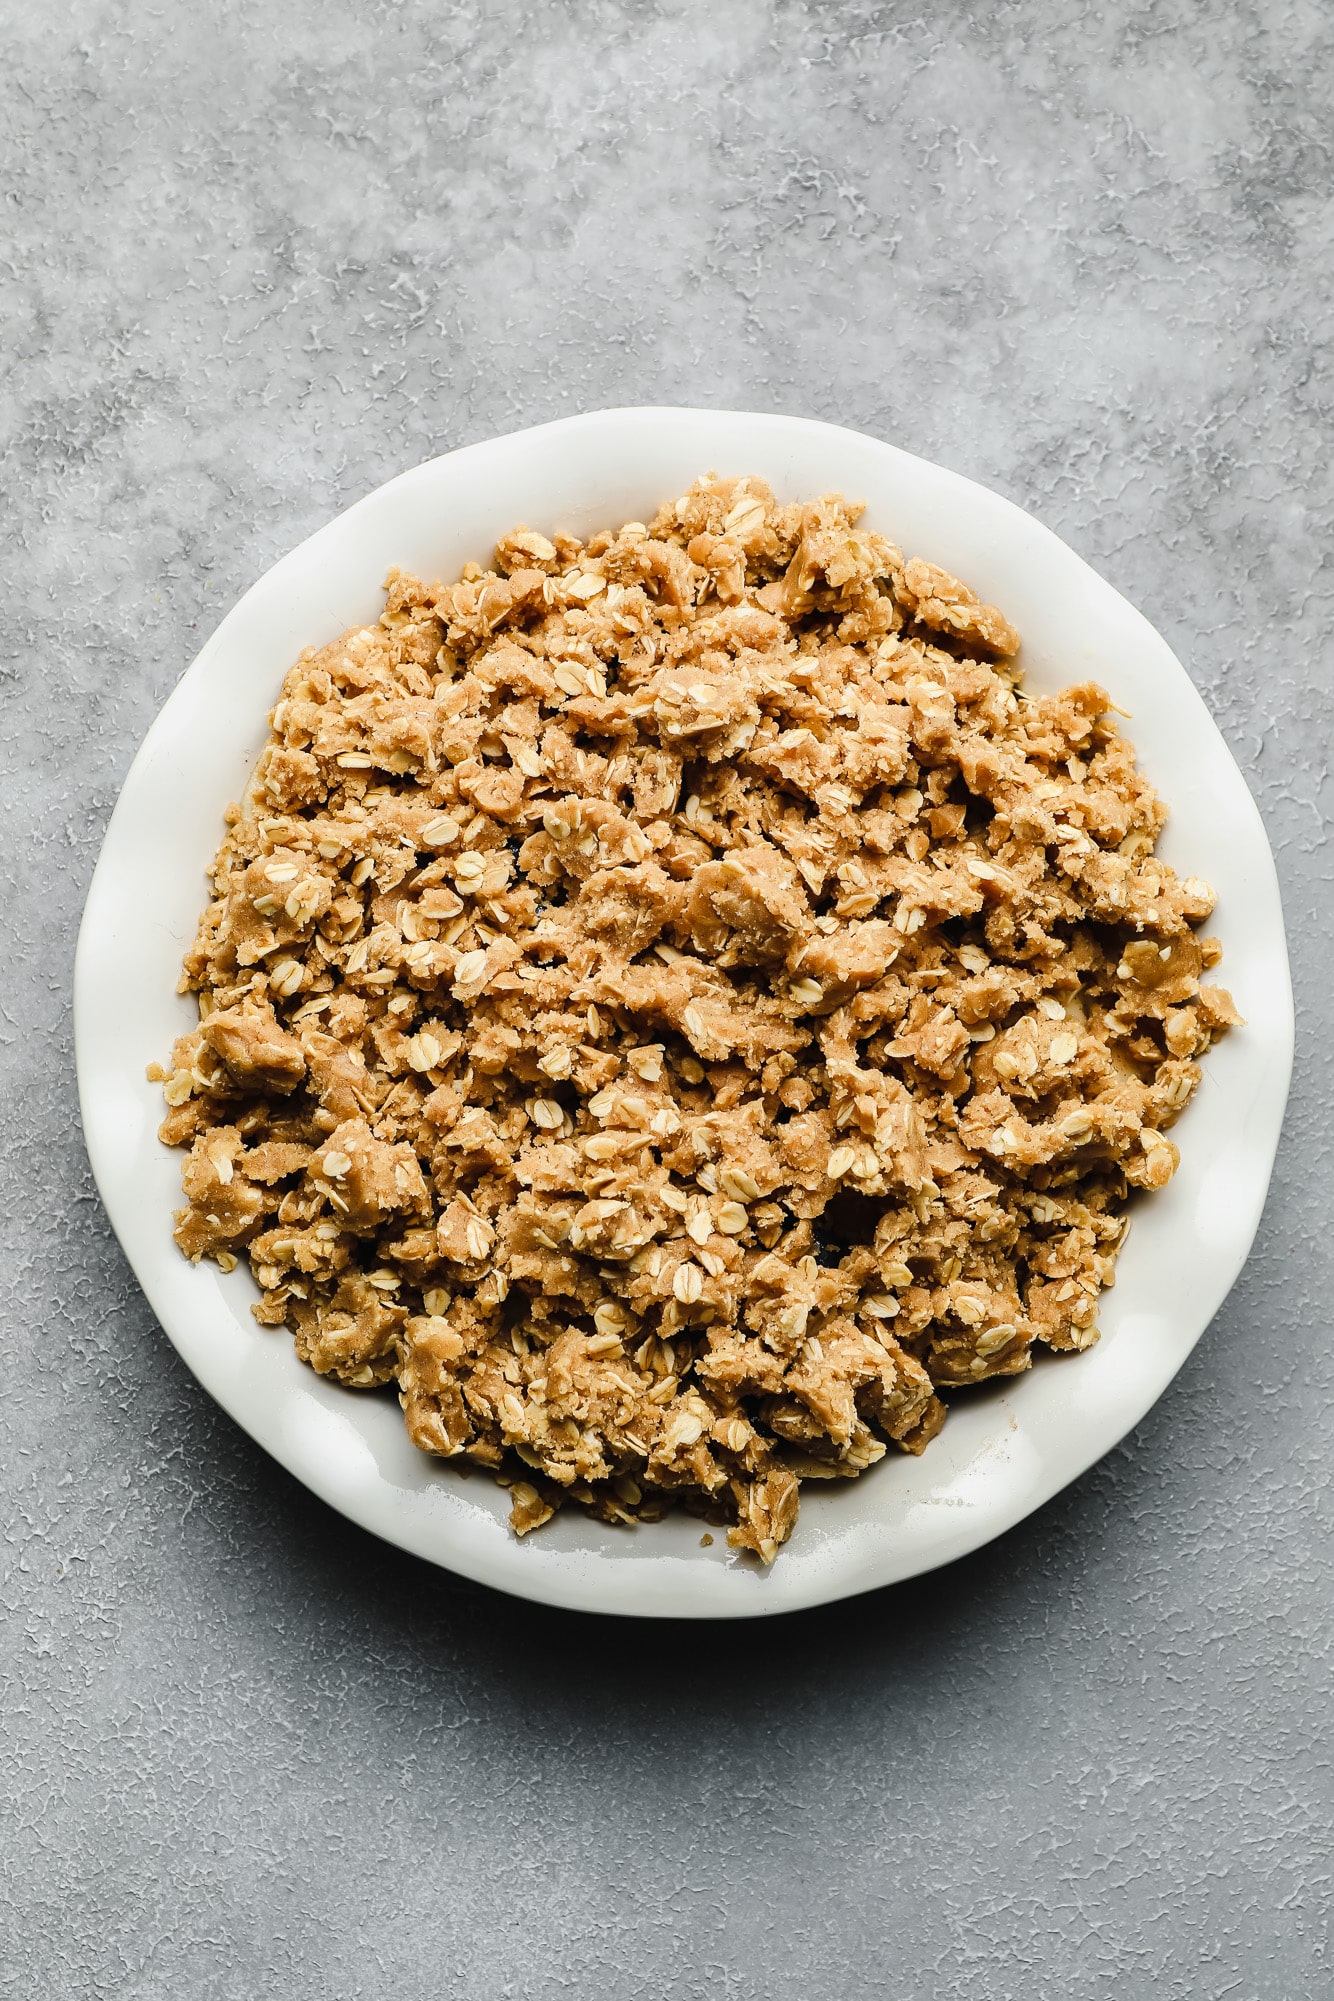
[(673, 1004)]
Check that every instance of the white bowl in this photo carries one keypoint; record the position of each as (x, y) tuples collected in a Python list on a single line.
[(1003, 1451)]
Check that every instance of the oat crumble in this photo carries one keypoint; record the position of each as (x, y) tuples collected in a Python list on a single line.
[(673, 1004)]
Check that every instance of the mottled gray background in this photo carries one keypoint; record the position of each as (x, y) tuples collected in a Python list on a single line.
[(256, 259)]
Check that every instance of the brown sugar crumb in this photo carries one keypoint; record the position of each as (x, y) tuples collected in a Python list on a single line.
[(673, 1006)]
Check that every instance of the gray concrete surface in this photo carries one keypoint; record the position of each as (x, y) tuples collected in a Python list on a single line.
[(255, 259)]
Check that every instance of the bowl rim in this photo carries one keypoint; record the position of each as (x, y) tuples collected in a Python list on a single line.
[(186, 1300)]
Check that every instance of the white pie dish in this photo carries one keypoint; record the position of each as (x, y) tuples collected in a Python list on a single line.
[(1004, 1450)]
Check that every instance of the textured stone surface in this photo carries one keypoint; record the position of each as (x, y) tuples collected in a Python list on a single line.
[(256, 260)]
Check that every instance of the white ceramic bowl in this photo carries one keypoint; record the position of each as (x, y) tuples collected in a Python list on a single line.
[(1003, 1451)]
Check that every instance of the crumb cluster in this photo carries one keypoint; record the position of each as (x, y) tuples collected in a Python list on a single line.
[(672, 1005)]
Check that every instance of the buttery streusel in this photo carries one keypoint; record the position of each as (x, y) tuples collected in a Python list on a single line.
[(672, 1004)]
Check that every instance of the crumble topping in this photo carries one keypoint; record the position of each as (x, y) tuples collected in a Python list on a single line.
[(673, 1004)]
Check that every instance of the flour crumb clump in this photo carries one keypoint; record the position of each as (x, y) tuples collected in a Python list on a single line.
[(673, 1005)]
